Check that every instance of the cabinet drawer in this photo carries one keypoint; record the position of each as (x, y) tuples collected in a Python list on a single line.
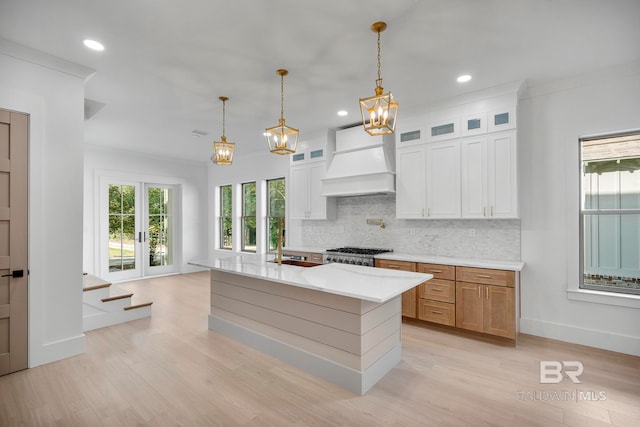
[(437, 312), (314, 257), (486, 276), (439, 290), (396, 265), (439, 271)]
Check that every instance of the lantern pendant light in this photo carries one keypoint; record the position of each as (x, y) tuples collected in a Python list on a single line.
[(223, 150), (282, 139), (379, 112)]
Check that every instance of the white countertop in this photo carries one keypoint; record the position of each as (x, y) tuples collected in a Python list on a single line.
[(355, 281), (462, 262)]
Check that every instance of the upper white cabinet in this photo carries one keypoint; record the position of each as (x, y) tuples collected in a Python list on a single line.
[(427, 177), (439, 130), (443, 179), (411, 181), (502, 174), (307, 168), (461, 167), (502, 119)]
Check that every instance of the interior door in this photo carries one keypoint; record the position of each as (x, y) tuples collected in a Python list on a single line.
[(14, 332), (159, 229)]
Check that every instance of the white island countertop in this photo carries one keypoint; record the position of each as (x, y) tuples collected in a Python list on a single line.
[(366, 283)]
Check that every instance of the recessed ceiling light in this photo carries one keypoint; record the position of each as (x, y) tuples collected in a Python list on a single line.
[(463, 78), (94, 45), (343, 113)]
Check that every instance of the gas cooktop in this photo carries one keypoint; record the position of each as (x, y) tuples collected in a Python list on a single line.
[(359, 251), (353, 255)]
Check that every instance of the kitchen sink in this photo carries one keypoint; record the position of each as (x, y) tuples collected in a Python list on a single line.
[(298, 263)]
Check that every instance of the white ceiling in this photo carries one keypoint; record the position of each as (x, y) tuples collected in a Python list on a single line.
[(167, 62)]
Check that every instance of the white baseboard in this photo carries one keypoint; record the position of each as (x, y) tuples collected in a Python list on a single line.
[(605, 340), (58, 350)]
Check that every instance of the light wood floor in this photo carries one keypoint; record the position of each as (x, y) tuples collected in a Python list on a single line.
[(170, 370)]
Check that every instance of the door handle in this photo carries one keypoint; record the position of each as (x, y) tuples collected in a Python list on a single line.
[(15, 274), (139, 236)]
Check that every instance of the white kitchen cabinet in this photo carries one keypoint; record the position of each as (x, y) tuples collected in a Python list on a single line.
[(443, 179), (410, 182), (305, 187), (502, 177), (427, 179), (489, 176)]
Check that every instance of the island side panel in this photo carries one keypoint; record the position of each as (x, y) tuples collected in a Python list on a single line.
[(347, 341)]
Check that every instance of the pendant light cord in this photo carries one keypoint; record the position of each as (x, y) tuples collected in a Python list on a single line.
[(379, 78), (282, 96), (223, 116)]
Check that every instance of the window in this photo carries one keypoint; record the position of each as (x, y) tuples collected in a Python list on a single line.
[(226, 230), (610, 213), (249, 217), (276, 204)]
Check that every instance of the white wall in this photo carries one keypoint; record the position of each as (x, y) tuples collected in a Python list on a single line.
[(552, 119), (190, 176), (54, 100)]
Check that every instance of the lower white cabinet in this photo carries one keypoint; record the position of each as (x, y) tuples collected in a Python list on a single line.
[(489, 176)]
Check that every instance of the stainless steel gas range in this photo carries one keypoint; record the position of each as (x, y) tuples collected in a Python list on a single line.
[(353, 255)]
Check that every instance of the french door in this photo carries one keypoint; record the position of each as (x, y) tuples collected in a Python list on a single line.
[(138, 225)]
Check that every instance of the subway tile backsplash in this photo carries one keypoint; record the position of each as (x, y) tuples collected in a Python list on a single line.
[(494, 239)]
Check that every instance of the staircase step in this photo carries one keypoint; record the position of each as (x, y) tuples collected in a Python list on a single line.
[(106, 305), (93, 288), (91, 283), (144, 304), (116, 297)]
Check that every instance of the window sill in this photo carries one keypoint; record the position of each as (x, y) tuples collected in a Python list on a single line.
[(600, 297)]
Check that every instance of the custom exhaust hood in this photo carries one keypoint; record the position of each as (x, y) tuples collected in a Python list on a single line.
[(361, 164)]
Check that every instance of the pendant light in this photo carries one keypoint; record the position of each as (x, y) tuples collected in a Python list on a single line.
[(379, 112), (282, 139), (223, 150)]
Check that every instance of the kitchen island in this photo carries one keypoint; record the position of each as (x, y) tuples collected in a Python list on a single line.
[(337, 321)]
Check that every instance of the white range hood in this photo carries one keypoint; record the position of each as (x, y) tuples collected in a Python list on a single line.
[(362, 164)]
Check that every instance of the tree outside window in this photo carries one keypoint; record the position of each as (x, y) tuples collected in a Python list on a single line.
[(276, 206), (226, 212), (249, 217)]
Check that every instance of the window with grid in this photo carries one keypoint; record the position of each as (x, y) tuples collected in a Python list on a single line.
[(610, 213), (249, 217), (276, 205), (226, 211)]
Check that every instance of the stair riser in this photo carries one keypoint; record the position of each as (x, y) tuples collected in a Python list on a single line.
[(114, 317)]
